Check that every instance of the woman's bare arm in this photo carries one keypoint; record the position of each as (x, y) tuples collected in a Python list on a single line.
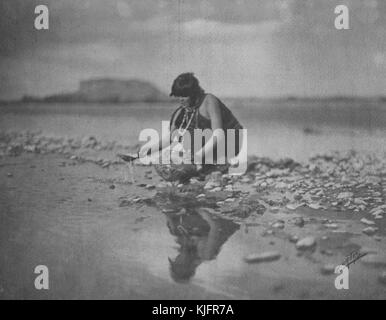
[(162, 143)]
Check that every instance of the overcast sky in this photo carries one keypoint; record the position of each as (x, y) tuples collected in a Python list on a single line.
[(236, 47)]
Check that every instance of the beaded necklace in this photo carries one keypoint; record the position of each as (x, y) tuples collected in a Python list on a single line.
[(187, 119), (189, 114)]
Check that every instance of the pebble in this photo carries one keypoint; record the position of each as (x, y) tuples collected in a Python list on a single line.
[(315, 206), (298, 197), (274, 210), (377, 212), (150, 186), (326, 252), (106, 164), (112, 187), (293, 239), (359, 201), (9, 175), (262, 257), (331, 225), (281, 185), (181, 212), (370, 231), (345, 195), (194, 181), (367, 222), (299, 221), (211, 185), (278, 224), (327, 269), (246, 180), (292, 206), (163, 184), (170, 210), (306, 243)]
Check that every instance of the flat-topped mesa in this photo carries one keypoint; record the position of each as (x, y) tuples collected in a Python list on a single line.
[(108, 90), (119, 90)]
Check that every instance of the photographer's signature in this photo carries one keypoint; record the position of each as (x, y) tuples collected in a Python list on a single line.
[(353, 257)]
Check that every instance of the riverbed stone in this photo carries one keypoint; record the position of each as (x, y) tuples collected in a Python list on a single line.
[(299, 222), (367, 222), (262, 257), (306, 243), (327, 269), (370, 231)]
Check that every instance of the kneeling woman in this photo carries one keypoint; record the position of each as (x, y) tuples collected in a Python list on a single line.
[(198, 110)]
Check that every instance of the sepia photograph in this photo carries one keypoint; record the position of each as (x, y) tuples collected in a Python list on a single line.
[(207, 150)]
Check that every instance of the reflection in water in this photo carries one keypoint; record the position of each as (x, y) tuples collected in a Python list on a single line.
[(200, 237)]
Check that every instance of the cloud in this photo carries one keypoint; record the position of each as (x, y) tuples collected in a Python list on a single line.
[(89, 53), (238, 46), (205, 28)]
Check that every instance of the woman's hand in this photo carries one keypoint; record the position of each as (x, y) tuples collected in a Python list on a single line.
[(128, 157), (141, 152)]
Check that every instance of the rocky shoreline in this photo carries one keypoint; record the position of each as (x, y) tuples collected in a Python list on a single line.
[(335, 181), (297, 203)]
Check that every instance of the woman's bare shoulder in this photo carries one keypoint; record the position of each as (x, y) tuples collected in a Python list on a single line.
[(210, 97), (212, 103), (211, 100)]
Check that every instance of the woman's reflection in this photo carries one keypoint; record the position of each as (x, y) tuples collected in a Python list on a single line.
[(200, 237)]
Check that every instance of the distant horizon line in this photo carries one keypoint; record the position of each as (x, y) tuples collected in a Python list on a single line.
[(283, 97), (30, 98)]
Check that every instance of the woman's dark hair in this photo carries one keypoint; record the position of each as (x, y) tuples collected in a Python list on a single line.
[(186, 85)]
